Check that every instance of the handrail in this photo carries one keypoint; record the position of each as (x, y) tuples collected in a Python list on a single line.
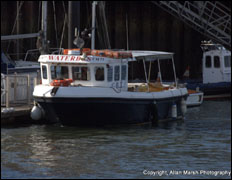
[(209, 18)]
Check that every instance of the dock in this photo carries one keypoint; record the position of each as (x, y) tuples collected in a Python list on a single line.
[(16, 98), (15, 115)]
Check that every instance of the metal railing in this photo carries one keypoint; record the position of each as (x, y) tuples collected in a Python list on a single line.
[(17, 89), (210, 18)]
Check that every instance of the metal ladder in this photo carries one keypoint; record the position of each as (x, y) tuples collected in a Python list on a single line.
[(210, 18)]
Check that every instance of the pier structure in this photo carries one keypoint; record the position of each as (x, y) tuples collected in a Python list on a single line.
[(16, 97)]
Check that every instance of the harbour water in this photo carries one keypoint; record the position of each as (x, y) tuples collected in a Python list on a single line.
[(198, 147)]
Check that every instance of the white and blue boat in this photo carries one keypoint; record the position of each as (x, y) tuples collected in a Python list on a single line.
[(216, 72), (90, 87)]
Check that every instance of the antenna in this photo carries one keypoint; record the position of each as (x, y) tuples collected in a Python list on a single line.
[(127, 34)]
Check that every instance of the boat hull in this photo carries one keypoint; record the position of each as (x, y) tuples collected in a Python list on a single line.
[(194, 99), (212, 90), (107, 111)]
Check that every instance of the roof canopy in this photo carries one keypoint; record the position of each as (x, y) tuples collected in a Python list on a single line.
[(136, 56), (151, 55)]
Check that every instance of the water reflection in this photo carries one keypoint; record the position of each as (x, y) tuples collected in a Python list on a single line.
[(201, 141), (41, 150)]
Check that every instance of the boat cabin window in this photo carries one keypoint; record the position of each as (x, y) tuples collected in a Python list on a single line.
[(44, 72), (110, 74), (99, 73), (123, 72), (59, 72), (208, 61), (116, 73), (216, 61), (227, 60), (81, 73)]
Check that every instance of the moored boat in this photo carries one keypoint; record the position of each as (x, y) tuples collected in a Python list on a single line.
[(216, 72), (195, 98), (91, 87)]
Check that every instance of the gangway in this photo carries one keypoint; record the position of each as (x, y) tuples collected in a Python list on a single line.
[(211, 18)]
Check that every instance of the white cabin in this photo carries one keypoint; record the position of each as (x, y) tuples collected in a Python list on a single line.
[(90, 71), (216, 64)]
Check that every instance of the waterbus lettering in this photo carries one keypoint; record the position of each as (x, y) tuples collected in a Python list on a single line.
[(66, 58), (50, 57), (72, 58)]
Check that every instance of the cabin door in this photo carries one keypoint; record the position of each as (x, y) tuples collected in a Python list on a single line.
[(212, 72)]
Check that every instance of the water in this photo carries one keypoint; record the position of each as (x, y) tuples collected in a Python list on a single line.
[(199, 147)]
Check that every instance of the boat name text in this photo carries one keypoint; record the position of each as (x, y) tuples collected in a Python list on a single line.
[(74, 58)]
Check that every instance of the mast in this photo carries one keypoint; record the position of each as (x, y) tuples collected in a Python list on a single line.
[(73, 21), (18, 20), (44, 48), (93, 24)]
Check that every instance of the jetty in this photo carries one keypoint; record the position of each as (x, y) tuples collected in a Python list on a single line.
[(16, 97)]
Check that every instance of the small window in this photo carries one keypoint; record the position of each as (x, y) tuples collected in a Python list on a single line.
[(123, 75), (44, 71), (208, 61), (99, 73), (110, 74), (59, 72), (81, 73), (216, 61), (116, 73), (227, 60)]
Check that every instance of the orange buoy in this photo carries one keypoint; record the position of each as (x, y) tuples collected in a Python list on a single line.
[(65, 51), (63, 82), (109, 53), (87, 51)]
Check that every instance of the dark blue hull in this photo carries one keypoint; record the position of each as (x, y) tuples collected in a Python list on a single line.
[(211, 88), (106, 111)]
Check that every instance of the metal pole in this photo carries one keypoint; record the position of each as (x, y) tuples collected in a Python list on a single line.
[(73, 21), (44, 19), (127, 34), (15, 87), (18, 28), (44, 25), (149, 74), (70, 16), (144, 65), (93, 24), (174, 70), (159, 74), (7, 92), (28, 89)]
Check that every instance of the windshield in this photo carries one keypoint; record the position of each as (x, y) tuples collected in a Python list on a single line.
[(81, 73), (227, 60), (59, 72)]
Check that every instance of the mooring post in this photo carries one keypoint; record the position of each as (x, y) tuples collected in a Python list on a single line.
[(7, 92), (28, 89), (15, 87)]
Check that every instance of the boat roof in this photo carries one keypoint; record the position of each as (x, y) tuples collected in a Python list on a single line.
[(151, 55), (136, 56)]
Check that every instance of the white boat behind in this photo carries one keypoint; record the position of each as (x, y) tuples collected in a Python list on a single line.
[(195, 98)]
